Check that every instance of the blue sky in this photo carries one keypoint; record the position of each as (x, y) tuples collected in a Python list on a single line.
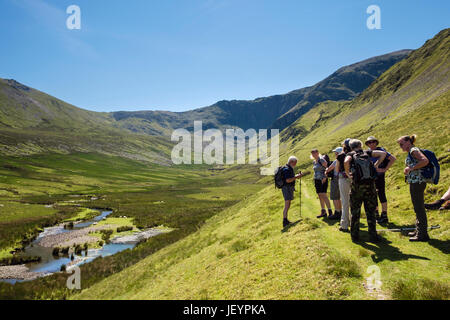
[(181, 54)]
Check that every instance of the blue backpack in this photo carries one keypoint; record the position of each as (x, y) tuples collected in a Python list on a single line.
[(433, 170)]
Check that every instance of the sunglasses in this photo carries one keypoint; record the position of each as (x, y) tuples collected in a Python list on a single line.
[(370, 142)]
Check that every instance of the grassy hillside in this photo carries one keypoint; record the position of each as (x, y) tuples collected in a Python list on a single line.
[(32, 122), (242, 253), (43, 190)]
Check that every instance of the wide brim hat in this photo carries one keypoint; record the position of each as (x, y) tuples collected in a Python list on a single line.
[(372, 138)]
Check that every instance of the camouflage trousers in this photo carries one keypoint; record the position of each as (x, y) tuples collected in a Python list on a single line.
[(363, 194)]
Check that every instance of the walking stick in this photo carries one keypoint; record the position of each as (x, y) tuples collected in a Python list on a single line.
[(300, 190), (300, 196), (407, 229)]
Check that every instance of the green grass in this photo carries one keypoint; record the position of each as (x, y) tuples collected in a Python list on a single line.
[(226, 240), (242, 253), (176, 199)]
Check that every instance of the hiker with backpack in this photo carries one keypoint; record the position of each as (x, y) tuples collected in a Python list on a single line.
[(344, 186), (285, 180), (321, 182), (380, 182), (335, 195), (362, 172), (417, 178)]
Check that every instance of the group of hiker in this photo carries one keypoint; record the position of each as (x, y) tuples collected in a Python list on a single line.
[(357, 177)]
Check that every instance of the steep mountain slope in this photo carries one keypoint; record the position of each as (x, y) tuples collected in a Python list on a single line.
[(412, 97), (33, 122), (277, 111), (241, 253)]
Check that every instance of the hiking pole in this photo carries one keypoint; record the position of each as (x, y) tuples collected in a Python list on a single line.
[(300, 196), (300, 190), (408, 229)]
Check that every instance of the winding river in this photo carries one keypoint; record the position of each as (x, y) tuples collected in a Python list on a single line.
[(50, 264)]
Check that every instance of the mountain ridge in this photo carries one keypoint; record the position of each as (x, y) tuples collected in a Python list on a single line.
[(279, 110)]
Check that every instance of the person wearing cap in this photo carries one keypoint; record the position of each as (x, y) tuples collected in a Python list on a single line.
[(344, 186), (380, 182), (334, 186)]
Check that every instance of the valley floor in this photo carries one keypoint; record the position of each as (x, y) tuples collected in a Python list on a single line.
[(242, 253)]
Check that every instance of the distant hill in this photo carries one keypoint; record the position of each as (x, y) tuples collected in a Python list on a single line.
[(33, 122), (277, 111)]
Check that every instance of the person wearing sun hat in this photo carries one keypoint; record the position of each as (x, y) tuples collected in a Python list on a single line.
[(380, 182)]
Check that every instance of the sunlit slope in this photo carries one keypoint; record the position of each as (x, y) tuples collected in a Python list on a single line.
[(411, 97), (33, 122), (242, 253)]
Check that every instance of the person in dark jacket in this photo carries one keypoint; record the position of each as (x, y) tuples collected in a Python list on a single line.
[(288, 188), (362, 190)]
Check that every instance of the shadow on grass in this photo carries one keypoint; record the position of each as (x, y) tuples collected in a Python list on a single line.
[(293, 224), (443, 245), (384, 250), (331, 222)]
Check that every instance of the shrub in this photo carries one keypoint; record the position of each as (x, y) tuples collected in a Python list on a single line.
[(78, 249), (124, 228), (55, 251), (15, 260), (420, 289), (343, 267)]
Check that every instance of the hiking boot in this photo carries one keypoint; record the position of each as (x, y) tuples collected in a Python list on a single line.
[(323, 214), (434, 205), (286, 222), (417, 238), (383, 218), (330, 213), (446, 206), (343, 229), (338, 215), (412, 234), (335, 216)]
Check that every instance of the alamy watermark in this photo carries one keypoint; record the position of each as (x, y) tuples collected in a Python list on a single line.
[(213, 146), (74, 280), (73, 22), (374, 20), (373, 281)]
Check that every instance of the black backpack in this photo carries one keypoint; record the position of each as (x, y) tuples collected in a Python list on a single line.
[(278, 177), (327, 159), (363, 169)]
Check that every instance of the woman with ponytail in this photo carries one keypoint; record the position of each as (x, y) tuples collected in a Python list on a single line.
[(417, 184)]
